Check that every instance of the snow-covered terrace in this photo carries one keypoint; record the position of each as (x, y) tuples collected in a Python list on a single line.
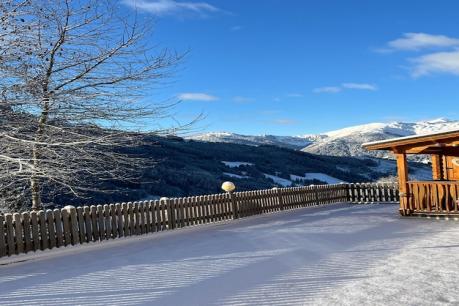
[(338, 254)]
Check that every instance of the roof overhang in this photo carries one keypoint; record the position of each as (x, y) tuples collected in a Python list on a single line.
[(441, 142)]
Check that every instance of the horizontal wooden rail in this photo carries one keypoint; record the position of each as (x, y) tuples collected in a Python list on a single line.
[(31, 231)]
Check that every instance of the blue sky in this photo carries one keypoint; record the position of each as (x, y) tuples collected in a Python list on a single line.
[(291, 67)]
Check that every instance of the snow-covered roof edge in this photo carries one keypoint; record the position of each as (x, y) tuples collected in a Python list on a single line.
[(412, 137)]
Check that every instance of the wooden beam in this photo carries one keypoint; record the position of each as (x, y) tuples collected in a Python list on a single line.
[(438, 139), (437, 173), (402, 171)]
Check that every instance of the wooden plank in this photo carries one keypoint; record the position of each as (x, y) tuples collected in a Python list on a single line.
[(58, 227), (101, 222), (74, 226), (114, 233), (95, 223), (125, 210), (18, 233), (142, 218), (163, 208), (178, 207), (51, 228), (66, 226), (107, 222), (3, 243), (154, 226), (147, 212), (158, 214), (11, 250), (81, 224), (27, 233), (43, 230), (131, 218), (88, 223), (119, 214), (35, 230), (137, 218)]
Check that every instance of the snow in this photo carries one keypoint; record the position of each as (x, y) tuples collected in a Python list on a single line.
[(235, 164), (335, 255), (278, 180), (317, 176), (235, 175)]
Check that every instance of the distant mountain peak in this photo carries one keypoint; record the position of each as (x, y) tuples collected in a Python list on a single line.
[(342, 142)]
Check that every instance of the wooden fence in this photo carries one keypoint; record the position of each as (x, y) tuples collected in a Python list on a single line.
[(48, 229)]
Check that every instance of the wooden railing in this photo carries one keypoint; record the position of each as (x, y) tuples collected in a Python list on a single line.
[(48, 229), (435, 197), (371, 192)]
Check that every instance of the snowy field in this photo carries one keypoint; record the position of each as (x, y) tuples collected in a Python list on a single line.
[(335, 255)]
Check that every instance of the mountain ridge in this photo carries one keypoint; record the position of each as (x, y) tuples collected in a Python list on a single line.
[(342, 142)]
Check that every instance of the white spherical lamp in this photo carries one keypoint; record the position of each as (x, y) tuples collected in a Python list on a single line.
[(228, 186)]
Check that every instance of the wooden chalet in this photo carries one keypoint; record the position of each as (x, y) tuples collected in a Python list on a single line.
[(440, 196)]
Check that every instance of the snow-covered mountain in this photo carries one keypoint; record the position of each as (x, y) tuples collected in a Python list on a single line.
[(343, 142), (348, 141), (292, 142)]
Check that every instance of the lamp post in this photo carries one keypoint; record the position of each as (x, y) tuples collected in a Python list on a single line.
[(229, 187)]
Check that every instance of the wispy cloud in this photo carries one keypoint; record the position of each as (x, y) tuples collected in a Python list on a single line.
[(243, 100), (285, 121), (345, 86), (418, 41), (439, 62), (359, 86), (197, 96), (171, 7), (327, 89)]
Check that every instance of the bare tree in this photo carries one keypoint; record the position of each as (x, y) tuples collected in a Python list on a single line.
[(68, 68)]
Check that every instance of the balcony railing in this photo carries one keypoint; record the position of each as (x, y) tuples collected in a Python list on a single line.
[(436, 197)]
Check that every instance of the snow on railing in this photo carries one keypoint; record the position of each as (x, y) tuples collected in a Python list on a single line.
[(48, 229)]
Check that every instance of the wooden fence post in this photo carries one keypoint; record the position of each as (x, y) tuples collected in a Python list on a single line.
[(280, 200), (167, 203), (233, 205), (2, 237), (316, 194)]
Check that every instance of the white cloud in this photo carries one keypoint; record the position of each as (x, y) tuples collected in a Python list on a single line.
[(240, 99), (346, 86), (327, 89), (359, 86), (170, 7), (439, 62), (197, 96), (417, 41)]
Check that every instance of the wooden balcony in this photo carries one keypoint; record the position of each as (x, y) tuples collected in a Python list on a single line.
[(437, 197), (433, 197)]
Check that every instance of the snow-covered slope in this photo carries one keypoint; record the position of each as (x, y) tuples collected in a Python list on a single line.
[(292, 142), (348, 141), (343, 142)]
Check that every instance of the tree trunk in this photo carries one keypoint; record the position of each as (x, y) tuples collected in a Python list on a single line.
[(34, 180)]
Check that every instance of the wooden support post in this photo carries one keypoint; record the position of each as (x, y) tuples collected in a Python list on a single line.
[(437, 169), (402, 171)]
